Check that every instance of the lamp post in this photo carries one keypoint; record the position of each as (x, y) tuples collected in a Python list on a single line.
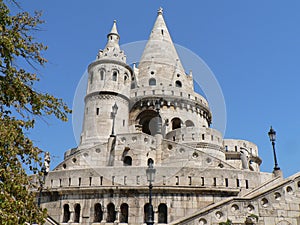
[(113, 115), (157, 106), (150, 172), (272, 136)]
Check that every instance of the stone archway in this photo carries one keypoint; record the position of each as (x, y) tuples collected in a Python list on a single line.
[(148, 120)]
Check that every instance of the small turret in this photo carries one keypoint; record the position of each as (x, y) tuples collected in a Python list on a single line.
[(112, 49)]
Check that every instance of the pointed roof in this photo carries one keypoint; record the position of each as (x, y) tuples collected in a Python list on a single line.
[(112, 48), (113, 38), (160, 47), (114, 29)]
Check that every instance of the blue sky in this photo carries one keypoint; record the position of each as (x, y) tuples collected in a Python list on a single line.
[(252, 47)]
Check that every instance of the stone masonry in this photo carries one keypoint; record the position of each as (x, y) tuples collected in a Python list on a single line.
[(201, 178)]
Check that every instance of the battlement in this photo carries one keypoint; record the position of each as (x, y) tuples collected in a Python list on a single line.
[(168, 92)]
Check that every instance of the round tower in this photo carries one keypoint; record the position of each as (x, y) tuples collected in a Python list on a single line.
[(108, 92), (161, 75)]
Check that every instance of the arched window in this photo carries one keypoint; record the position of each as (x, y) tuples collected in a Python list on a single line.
[(124, 213), (111, 213), (125, 77), (162, 213), (152, 82), (98, 213), (114, 75), (91, 77), (189, 123), (127, 161), (146, 212), (102, 74), (176, 123), (150, 160), (178, 84), (77, 213), (66, 216)]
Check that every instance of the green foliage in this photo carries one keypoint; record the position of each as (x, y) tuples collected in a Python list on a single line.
[(20, 103), (228, 222), (254, 216), (251, 219)]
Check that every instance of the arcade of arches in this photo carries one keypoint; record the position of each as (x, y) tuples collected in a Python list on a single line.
[(111, 213)]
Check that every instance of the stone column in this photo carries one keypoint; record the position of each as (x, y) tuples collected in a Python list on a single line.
[(155, 219), (104, 215), (117, 221), (71, 216)]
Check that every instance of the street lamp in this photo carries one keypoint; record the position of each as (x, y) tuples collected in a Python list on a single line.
[(272, 136), (113, 115), (157, 106), (150, 172)]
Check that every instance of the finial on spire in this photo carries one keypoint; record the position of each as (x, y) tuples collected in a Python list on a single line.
[(160, 11)]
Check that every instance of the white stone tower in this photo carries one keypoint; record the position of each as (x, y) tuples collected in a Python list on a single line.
[(108, 85), (201, 178)]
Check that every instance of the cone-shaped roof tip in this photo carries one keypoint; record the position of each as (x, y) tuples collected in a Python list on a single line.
[(160, 48), (114, 28)]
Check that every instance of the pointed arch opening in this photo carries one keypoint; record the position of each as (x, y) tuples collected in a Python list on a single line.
[(162, 213), (66, 213), (124, 213), (176, 123), (76, 213), (98, 213), (111, 213)]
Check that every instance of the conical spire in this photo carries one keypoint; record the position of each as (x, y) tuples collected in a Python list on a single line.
[(113, 37), (114, 30), (160, 50), (112, 49)]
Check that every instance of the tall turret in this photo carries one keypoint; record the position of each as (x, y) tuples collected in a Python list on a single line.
[(108, 85), (161, 76)]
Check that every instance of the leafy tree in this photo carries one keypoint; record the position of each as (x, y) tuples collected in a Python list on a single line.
[(228, 222), (20, 104)]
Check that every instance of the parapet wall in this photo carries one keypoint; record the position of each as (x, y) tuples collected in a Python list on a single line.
[(218, 178), (168, 92)]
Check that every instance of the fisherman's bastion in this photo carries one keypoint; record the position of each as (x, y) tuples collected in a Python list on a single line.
[(147, 117)]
